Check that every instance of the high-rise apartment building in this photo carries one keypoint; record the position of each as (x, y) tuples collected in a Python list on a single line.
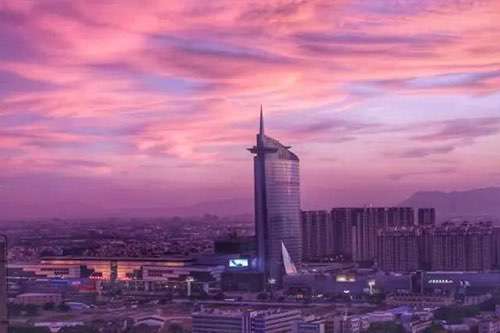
[(426, 216), (356, 230), (425, 246), (467, 247), (400, 217), (496, 247), (317, 235), (3, 285), (343, 220), (365, 225), (397, 249), (277, 204)]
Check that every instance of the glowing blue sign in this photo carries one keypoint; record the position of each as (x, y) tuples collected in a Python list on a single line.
[(238, 263)]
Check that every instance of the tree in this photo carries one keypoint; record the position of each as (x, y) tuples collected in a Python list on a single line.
[(49, 306), (220, 296), (79, 329), (262, 296), (456, 314), (385, 327), (63, 307), (31, 310), (175, 328), (435, 328), (29, 330)]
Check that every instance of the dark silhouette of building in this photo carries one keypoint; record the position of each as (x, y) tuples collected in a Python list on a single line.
[(3, 285), (426, 216), (317, 235), (234, 245), (466, 247), (277, 204), (366, 223), (425, 246), (397, 249), (400, 217), (355, 228)]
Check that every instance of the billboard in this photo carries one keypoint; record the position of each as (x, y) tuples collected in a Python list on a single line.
[(238, 263)]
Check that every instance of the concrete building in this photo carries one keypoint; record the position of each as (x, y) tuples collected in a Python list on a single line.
[(317, 235), (400, 217), (215, 320), (425, 247), (489, 325), (398, 249), (365, 225), (245, 321), (356, 228), (275, 321), (3, 285), (420, 300), (344, 219), (45, 271), (467, 247), (418, 326), (312, 324), (277, 204), (38, 298), (426, 216)]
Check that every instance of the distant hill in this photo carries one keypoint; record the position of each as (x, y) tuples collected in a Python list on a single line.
[(473, 204)]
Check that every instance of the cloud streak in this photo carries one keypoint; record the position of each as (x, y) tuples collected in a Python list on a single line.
[(128, 88)]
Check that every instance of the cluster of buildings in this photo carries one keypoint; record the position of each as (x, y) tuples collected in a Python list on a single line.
[(4, 323), (210, 320), (448, 247), (352, 232), (352, 252), (393, 239)]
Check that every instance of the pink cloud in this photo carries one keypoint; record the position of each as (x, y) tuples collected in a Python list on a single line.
[(124, 87)]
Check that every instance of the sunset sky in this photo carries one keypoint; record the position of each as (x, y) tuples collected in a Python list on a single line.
[(113, 106)]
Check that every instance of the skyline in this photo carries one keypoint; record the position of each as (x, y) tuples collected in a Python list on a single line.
[(125, 106)]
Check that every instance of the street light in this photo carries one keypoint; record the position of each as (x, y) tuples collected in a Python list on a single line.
[(272, 282), (371, 284), (189, 280)]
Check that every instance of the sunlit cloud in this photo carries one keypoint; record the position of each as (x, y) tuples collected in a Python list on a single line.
[(144, 89)]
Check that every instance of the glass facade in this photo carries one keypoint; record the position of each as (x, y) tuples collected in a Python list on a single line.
[(277, 205)]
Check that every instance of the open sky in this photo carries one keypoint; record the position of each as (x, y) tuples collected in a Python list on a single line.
[(110, 106)]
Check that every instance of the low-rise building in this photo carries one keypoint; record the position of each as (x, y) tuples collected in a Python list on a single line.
[(39, 298), (420, 300), (417, 326), (311, 324), (245, 321)]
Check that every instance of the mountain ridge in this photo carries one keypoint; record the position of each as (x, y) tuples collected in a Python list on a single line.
[(481, 203)]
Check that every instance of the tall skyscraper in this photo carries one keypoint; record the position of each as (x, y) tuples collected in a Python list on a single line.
[(365, 226), (317, 235), (344, 219), (400, 217), (398, 249), (277, 204), (426, 216), (3, 285), (467, 247)]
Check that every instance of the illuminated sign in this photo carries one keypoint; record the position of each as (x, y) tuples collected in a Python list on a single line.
[(436, 281), (345, 278), (238, 263)]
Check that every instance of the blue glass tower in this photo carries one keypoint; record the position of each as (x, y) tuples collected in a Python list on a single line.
[(277, 204)]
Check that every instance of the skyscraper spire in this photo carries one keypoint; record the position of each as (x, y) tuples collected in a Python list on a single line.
[(261, 129)]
